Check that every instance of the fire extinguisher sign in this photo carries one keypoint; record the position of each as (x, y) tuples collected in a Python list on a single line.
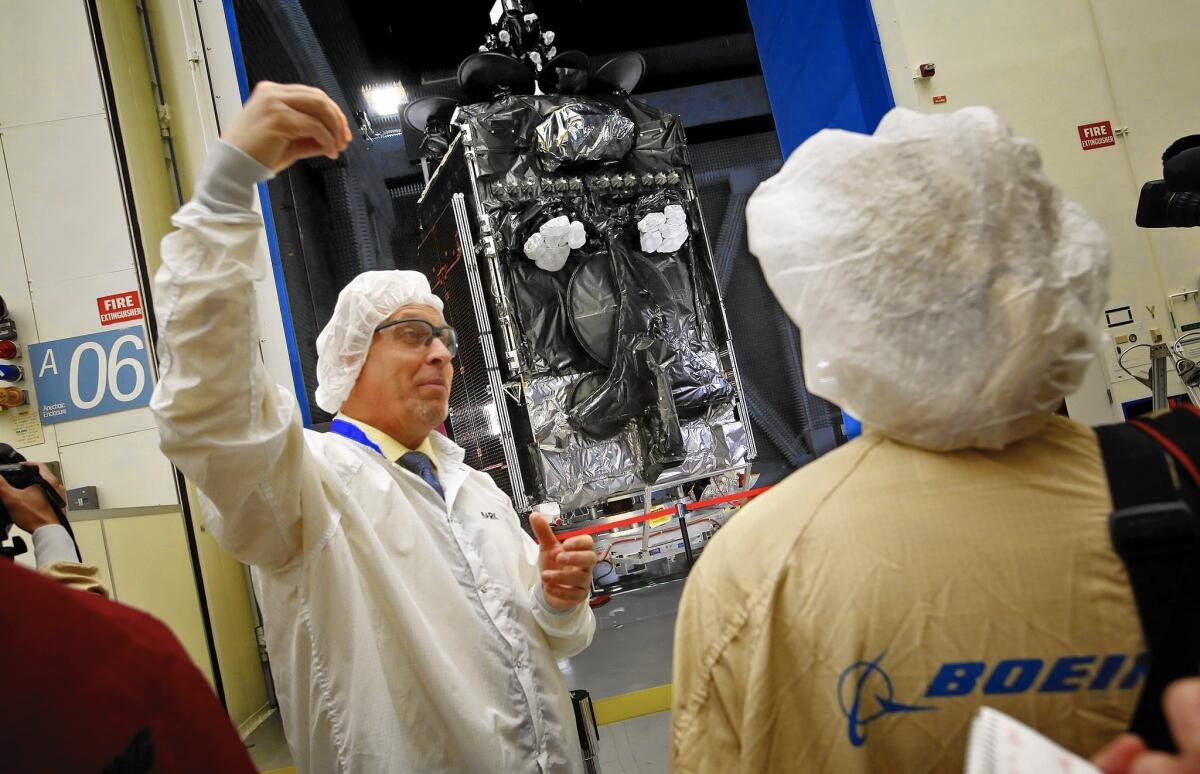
[(86, 376), (1100, 135), (119, 308)]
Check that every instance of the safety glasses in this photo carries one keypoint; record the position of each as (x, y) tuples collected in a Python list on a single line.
[(418, 334)]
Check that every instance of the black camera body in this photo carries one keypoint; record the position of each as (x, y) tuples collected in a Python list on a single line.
[(17, 475), (20, 476), (1174, 201), (13, 472)]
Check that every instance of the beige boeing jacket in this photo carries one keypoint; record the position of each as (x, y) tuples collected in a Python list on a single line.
[(854, 618)]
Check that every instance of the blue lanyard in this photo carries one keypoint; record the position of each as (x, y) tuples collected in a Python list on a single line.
[(354, 433)]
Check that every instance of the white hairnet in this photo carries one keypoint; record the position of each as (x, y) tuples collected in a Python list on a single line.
[(368, 300), (946, 294)]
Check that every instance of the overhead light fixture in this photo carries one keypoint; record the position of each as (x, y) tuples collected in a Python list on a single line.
[(386, 100)]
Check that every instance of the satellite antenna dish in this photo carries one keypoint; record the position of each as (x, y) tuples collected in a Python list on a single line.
[(566, 73), (621, 73), (430, 117), (484, 75), (419, 112), (593, 304)]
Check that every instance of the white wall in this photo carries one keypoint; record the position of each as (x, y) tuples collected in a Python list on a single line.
[(1048, 68), (65, 241)]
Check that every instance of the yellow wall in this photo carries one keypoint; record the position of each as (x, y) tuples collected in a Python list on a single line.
[(132, 81), (185, 84), (230, 607), (151, 570)]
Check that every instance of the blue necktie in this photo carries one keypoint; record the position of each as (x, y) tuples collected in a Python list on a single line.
[(419, 463)]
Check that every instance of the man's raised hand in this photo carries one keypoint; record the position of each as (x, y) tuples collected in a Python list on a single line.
[(283, 123)]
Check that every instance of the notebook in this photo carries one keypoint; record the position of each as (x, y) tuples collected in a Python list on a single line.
[(1000, 745)]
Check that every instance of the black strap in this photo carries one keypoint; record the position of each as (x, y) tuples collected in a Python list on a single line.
[(1155, 531), (1180, 431)]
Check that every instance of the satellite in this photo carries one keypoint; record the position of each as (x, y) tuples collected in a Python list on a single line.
[(562, 228)]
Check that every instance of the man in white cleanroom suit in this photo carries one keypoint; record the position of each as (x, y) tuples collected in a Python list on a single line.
[(412, 625), (856, 617)]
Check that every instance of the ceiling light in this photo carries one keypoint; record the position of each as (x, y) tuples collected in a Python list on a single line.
[(386, 100)]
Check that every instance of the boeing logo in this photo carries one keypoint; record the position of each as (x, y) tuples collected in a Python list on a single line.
[(1021, 675), (866, 693)]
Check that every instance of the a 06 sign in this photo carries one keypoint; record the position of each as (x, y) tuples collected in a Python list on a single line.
[(86, 376)]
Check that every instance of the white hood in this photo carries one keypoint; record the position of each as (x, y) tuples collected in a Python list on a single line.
[(946, 293)]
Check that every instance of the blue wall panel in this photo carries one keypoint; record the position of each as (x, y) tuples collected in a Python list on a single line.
[(823, 66), (289, 328)]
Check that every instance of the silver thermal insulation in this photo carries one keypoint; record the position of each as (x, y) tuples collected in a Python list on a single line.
[(577, 472)]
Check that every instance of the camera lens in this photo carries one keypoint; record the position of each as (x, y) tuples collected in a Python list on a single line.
[(1183, 209), (1160, 207)]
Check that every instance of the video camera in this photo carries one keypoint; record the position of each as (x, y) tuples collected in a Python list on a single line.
[(1174, 201), (20, 476)]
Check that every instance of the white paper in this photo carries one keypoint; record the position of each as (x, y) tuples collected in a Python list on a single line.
[(26, 427), (1002, 745)]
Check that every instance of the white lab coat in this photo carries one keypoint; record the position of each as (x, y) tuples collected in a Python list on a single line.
[(406, 634)]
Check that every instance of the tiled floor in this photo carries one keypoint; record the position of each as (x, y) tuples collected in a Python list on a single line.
[(635, 635), (637, 746), (268, 746), (631, 651)]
